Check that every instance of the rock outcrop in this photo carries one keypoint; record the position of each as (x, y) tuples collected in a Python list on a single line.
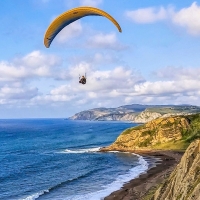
[(146, 116), (155, 132), (184, 181)]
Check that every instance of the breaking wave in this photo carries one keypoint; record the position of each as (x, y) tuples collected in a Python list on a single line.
[(89, 150)]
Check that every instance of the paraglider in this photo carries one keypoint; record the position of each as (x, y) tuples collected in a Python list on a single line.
[(70, 16), (82, 79)]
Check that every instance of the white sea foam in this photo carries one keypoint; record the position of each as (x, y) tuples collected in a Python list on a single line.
[(115, 185), (90, 150), (35, 196)]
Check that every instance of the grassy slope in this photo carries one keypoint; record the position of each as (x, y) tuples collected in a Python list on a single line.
[(174, 109)]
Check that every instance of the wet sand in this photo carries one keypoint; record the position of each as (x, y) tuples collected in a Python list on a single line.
[(137, 188)]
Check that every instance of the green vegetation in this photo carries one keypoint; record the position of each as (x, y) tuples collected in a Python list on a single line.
[(175, 145), (161, 110), (174, 109), (145, 143), (128, 131), (194, 132), (146, 133)]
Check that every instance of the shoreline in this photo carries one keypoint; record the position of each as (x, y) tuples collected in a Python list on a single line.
[(139, 187)]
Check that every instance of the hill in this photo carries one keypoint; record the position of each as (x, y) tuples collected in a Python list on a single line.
[(175, 132), (135, 112)]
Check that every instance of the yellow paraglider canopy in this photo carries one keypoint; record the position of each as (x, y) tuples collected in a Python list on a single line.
[(70, 16)]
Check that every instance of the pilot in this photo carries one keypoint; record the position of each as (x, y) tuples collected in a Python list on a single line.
[(82, 80)]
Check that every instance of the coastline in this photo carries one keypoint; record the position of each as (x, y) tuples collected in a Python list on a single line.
[(142, 186)]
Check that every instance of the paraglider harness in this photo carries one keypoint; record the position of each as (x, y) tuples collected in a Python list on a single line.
[(82, 79)]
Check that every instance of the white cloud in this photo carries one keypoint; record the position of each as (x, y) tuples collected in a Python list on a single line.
[(178, 73), (100, 85), (35, 64), (121, 85), (165, 88), (147, 15), (182, 86), (14, 94), (108, 89), (93, 3), (79, 69), (71, 31), (105, 41), (188, 18)]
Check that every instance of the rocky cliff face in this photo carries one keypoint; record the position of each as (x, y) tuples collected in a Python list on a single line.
[(146, 116), (184, 181), (117, 117), (89, 115), (155, 132)]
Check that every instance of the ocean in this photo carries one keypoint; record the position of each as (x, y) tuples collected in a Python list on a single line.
[(57, 159)]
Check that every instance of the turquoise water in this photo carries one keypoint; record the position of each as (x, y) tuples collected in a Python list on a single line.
[(59, 159)]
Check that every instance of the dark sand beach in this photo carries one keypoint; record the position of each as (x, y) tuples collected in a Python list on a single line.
[(140, 187)]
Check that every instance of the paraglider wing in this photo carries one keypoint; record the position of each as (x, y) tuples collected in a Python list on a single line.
[(70, 16)]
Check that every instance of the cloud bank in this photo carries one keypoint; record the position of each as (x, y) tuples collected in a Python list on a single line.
[(105, 87)]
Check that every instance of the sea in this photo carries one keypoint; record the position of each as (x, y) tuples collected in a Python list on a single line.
[(59, 159)]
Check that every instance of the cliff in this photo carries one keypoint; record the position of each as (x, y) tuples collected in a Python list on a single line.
[(136, 113), (175, 132), (184, 181)]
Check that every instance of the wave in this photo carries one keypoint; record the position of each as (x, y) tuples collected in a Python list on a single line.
[(89, 150), (117, 184), (35, 196), (83, 145), (59, 185)]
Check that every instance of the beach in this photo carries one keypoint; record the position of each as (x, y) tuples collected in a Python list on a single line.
[(146, 183)]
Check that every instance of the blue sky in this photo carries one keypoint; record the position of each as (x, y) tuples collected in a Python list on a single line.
[(155, 60)]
